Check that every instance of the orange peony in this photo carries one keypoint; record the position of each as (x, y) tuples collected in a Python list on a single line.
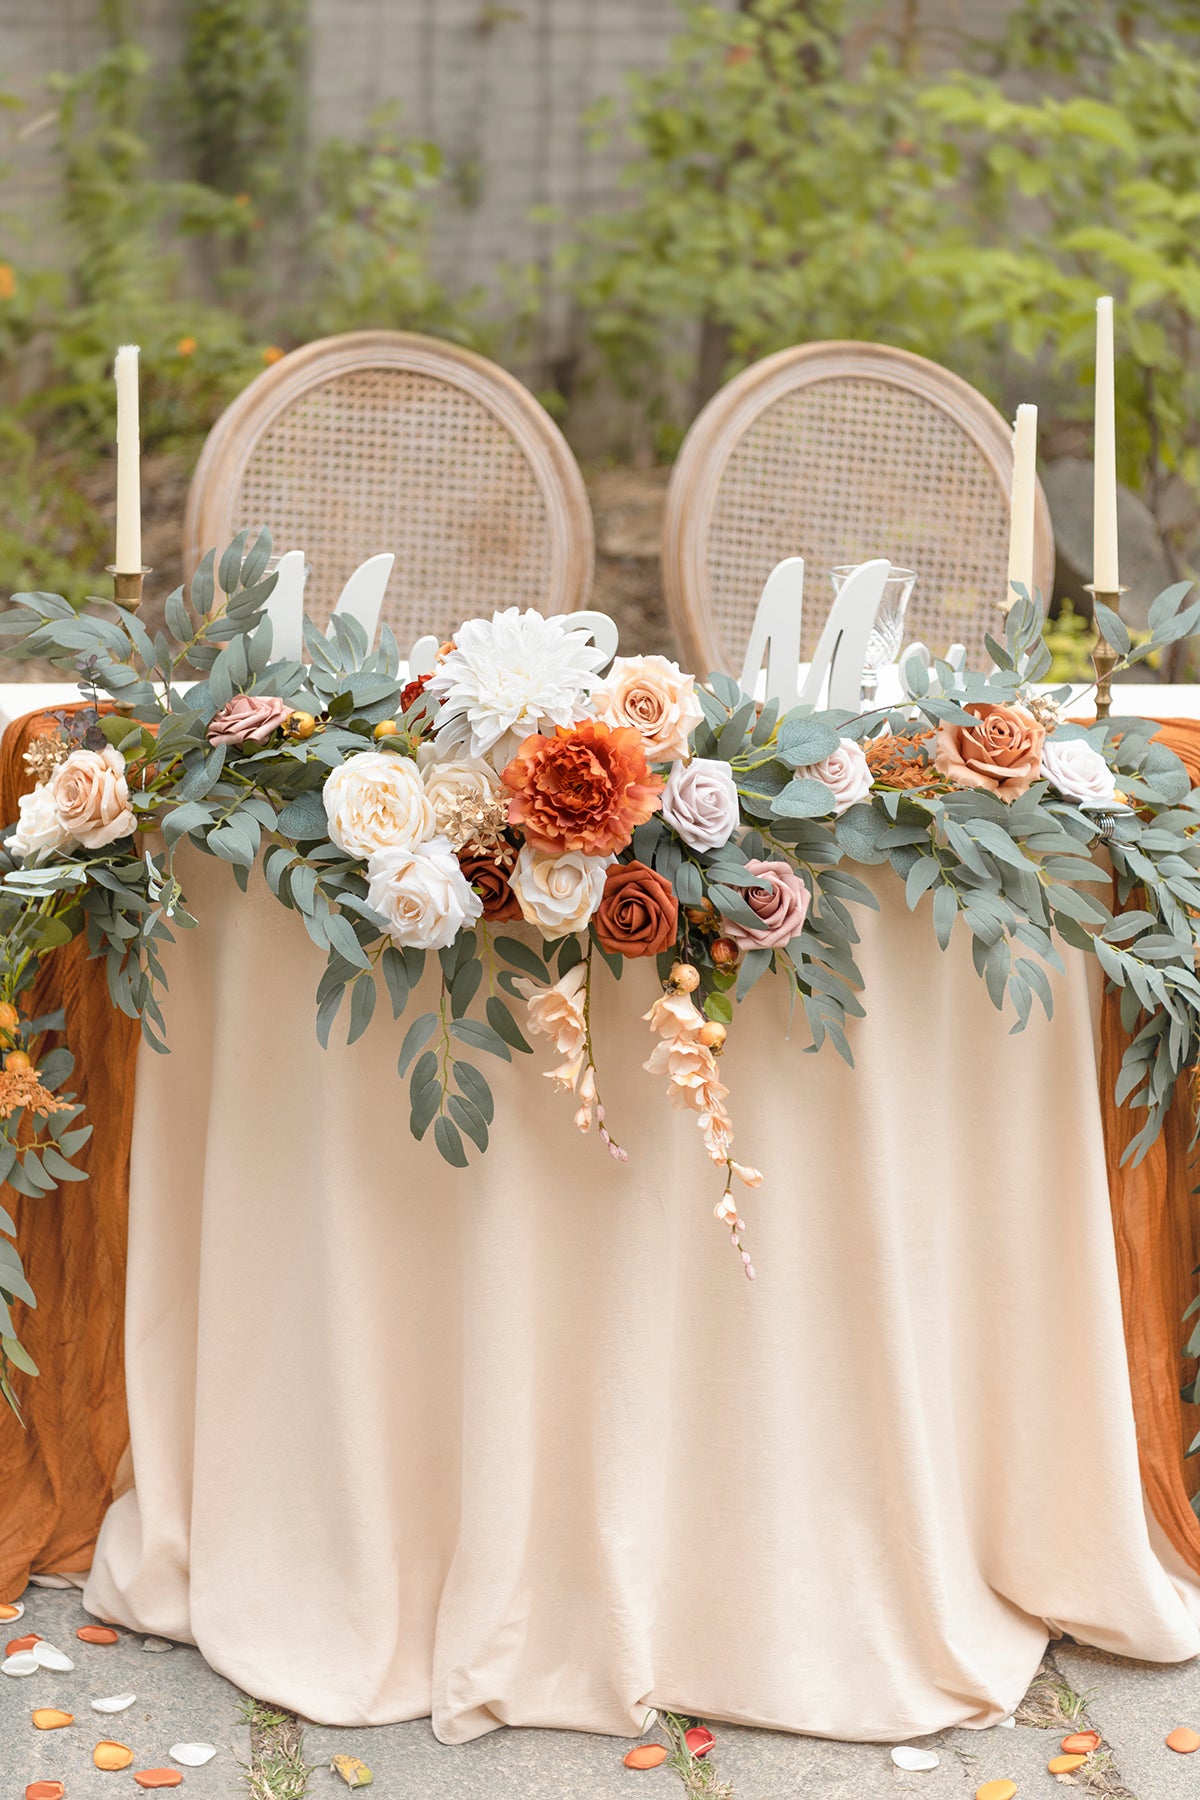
[(584, 789), (1001, 754)]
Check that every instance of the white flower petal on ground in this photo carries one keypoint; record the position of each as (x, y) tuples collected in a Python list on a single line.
[(508, 677), (114, 1703)]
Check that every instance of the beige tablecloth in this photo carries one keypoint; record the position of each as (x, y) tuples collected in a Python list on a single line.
[(520, 1445)]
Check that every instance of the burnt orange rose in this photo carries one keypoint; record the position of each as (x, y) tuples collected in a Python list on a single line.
[(490, 882), (1002, 754), (585, 789), (638, 912)]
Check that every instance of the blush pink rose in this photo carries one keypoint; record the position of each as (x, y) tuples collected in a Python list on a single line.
[(781, 901), (248, 719)]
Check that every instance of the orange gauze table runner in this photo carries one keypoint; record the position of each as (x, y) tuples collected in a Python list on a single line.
[(56, 1476)]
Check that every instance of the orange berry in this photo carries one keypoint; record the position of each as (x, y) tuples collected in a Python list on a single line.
[(724, 952), (385, 728), (186, 346), (17, 1062), (10, 1018), (712, 1035)]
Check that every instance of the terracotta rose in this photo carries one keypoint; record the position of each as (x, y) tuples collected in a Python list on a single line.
[(582, 790), (638, 912), (491, 883), (1002, 754)]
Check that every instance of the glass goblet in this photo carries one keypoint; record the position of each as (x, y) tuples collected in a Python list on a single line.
[(887, 632)]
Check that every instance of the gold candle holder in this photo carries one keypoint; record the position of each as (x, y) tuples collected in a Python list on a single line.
[(1104, 657), (127, 585)]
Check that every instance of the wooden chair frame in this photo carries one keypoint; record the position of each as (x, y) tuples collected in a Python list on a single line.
[(695, 484), (212, 507)]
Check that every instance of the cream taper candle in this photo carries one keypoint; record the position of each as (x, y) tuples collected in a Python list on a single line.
[(1105, 569), (128, 559), (1020, 530)]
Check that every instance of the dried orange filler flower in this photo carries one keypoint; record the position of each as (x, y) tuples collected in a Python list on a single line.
[(894, 759), (21, 1087)]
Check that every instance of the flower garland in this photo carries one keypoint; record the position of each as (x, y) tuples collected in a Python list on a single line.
[(620, 813)]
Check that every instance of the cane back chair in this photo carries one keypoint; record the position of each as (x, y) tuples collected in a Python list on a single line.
[(386, 440), (840, 452)]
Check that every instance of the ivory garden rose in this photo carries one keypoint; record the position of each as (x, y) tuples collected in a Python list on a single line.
[(1001, 754), (38, 827), (585, 789), (376, 802), (558, 894), (421, 894), (655, 697), (91, 797)]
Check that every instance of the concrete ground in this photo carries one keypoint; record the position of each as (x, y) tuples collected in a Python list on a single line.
[(179, 1698)]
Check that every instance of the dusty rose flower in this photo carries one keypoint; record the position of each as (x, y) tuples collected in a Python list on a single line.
[(557, 1012), (585, 789), (638, 913), (91, 797), (781, 901), (655, 697), (490, 881), (1002, 754), (845, 772), (248, 719)]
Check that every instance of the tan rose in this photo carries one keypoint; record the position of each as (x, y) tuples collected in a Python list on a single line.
[(1002, 754), (652, 694), (91, 797)]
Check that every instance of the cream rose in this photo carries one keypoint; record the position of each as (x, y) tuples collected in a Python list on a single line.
[(700, 802), (38, 826), (558, 894), (377, 802), (652, 694), (460, 790), (421, 893), (845, 772), (91, 797), (1077, 771)]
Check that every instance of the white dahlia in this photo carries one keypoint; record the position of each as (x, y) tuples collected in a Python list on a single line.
[(507, 677)]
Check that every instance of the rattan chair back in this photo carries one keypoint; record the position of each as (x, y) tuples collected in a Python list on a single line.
[(840, 452), (385, 440)]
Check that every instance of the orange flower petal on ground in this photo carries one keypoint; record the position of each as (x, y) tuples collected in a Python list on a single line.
[(1081, 1743), (108, 1754), (45, 1790), (1065, 1765), (18, 1644), (1184, 1740), (584, 789), (156, 1778), (645, 1756), (9, 1611), (97, 1634), (48, 1718), (699, 1740), (996, 1790)]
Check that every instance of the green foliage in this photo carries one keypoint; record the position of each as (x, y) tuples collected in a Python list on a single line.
[(241, 93)]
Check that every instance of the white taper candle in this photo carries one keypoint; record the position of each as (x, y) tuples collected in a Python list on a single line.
[(128, 560), (1105, 567), (1020, 529)]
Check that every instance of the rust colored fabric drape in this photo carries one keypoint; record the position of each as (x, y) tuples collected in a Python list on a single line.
[(1157, 1228), (56, 1475)]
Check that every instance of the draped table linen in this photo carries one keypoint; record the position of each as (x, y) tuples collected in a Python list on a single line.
[(520, 1445)]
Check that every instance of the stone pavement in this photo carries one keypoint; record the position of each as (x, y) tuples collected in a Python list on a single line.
[(180, 1698)]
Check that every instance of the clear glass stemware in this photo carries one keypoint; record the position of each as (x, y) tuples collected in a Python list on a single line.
[(887, 633)]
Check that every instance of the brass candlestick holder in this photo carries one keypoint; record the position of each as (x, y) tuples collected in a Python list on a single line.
[(127, 585), (1104, 657)]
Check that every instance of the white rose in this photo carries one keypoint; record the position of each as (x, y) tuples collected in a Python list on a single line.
[(845, 772), (91, 797), (421, 893), (38, 826), (454, 783), (655, 697), (558, 894), (377, 802), (1077, 771), (700, 802)]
